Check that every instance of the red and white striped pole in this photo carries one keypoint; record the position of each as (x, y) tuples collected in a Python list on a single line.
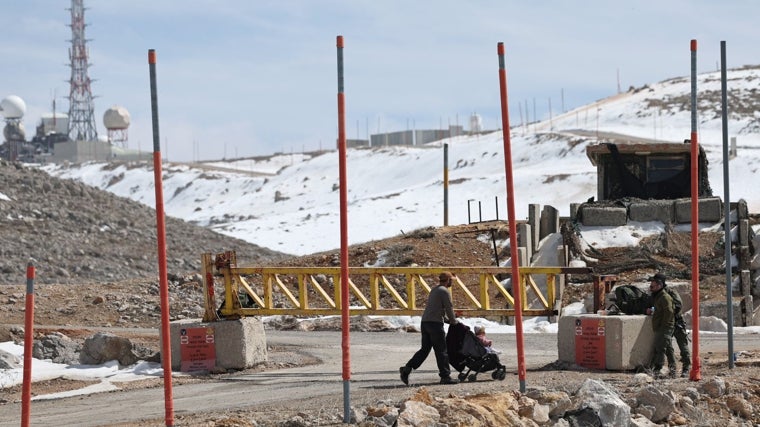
[(344, 313), (695, 374), (166, 349), (516, 281), (26, 388)]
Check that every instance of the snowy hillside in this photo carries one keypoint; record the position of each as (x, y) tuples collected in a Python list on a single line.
[(290, 202)]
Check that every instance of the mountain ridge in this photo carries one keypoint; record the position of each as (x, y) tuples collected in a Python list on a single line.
[(391, 188)]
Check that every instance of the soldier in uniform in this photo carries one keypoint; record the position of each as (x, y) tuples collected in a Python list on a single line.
[(679, 333), (663, 323)]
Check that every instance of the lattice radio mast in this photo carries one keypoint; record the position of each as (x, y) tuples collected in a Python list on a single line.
[(81, 106)]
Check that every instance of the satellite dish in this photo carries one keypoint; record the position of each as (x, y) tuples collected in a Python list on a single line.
[(12, 107)]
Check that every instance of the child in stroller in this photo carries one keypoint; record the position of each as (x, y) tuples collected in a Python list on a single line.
[(466, 352)]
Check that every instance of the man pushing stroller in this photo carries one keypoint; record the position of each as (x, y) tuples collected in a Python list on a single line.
[(439, 308)]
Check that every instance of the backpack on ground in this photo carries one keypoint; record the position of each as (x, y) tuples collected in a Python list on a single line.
[(631, 299)]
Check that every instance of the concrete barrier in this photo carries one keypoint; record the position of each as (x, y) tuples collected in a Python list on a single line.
[(534, 220), (237, 344), (627, 340), (666, 211), (719, 309), (525, 241), (652, 210), (710, 210), (549, 223), (604, 216)]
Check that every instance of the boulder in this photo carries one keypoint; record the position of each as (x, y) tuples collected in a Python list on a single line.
[(101, 348), (9, 361), (57, 348)]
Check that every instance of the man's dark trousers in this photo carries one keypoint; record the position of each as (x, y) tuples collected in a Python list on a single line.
[(433, 337)]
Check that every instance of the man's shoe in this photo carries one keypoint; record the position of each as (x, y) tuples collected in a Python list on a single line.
[(449, 380), (405, 371), (685, 372)]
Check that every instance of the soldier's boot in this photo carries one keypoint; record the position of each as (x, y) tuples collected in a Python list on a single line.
[(656, 372), (685, 371)]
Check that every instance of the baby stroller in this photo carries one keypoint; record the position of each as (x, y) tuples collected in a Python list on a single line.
[(467, 353)]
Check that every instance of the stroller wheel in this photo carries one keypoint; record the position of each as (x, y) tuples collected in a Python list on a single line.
[(473, 377), (495, 374), (462, 376), (500, 373)]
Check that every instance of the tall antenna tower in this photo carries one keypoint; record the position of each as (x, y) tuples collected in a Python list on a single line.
[(81, 106)]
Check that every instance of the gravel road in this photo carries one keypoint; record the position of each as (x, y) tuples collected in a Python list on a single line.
[(375, 358)]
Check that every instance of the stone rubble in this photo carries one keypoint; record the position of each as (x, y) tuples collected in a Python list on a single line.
[(80, 234)]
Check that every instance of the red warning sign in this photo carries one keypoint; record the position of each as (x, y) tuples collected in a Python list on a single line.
[(197, 349), (590, 343)]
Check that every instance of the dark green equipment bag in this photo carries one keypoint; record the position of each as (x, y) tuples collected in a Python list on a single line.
[(632, 300)]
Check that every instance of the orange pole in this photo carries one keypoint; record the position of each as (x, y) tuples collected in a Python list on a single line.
[(26, 388), (166, 349), (516, 280), (695, 374), (345, 324)]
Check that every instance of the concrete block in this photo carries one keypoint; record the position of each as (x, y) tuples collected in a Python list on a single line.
[(652, 210), (628, 340), (745, 280), (522, 257), (744, 232), (719, 309), (604, 216), (748, 311), (239, 344), (742, 209), (574, 210), (742, 255), (709, 210), (534, 219), (525, 240), (549, 222)]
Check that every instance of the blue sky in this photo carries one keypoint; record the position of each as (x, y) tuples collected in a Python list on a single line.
[(243, 78)]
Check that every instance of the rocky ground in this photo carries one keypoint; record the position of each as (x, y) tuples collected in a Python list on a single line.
[(96, 262), (79, 234)]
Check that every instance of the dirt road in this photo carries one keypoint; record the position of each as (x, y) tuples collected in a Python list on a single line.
[(375, 358)]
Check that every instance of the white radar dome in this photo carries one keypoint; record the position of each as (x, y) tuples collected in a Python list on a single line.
[(14, 132), (12, 107), (116, 118)]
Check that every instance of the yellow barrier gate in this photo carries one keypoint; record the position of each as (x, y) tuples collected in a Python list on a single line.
[(389, 291)]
